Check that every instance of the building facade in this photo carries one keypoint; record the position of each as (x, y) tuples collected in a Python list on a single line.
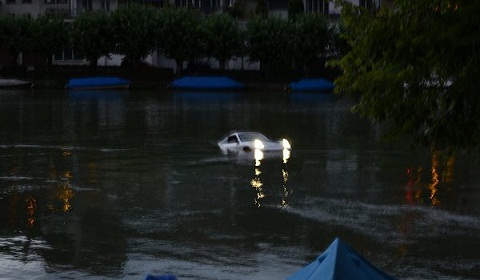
[(71, 8), (67, 8)]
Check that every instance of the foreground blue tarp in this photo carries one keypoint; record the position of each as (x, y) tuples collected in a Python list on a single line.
[(206, 83), (312, 85), (340, 262), (98, 83)]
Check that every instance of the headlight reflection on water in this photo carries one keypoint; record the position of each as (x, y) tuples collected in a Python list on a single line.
[(285, 155), (257, 184)]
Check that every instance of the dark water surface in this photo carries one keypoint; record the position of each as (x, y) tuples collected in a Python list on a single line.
[(119, 185)]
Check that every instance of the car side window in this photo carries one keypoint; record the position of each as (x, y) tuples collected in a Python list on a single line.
[(232, 139)]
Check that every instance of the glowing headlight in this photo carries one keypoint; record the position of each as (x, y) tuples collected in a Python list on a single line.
[(258, 144), (286, 144), (258, 157)]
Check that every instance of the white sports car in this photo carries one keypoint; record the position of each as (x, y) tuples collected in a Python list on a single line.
[(248, 141)]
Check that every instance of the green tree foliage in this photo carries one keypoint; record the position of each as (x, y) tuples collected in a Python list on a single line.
[(295, 8), (179, 35), (268, 41), (91, 35), (415, 66), (261, 10), (238, 9), (49, 35), (337, 46), (309, 39), (222, 37), (15, 35), (135, 28)]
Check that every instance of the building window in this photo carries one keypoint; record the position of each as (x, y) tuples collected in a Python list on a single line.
[(67, 55), (317, 6), (204, 5), (87, 5), (367, 4), (106, 5), (211, 6), (10, 1)]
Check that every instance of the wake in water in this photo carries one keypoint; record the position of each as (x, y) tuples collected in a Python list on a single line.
[(387, 223), (61, 147)]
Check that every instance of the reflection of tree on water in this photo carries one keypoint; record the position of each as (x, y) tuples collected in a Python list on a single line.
[(257, 184)]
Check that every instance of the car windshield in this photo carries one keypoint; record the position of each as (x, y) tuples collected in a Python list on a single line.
[(251, 136)]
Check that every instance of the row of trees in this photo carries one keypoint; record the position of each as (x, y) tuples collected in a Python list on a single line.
[(135, 31)]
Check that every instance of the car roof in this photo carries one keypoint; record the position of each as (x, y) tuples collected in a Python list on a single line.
[(250, 135)]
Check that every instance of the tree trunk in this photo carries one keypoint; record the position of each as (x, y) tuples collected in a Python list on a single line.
[(93, 62), (49, 61), (306, 69), (179, 66), (222, 63), (15, 58)]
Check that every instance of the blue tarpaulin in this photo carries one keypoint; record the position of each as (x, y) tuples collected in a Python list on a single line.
[(340, 262), (312, 85), (98, 83), (206, 83)]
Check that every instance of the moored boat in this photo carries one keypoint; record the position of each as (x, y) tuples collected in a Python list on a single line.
[(98, 83), (206, 83), (14, 83), (311, 85)]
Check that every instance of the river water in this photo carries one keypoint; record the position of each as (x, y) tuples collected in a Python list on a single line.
[(117, 185)]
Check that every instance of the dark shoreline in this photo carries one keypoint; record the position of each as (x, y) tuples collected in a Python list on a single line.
[(153, 78), (162, 85)]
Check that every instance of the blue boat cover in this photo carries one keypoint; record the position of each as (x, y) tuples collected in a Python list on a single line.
[(312, 85), (340, 262), (206, 83), (96, 82)]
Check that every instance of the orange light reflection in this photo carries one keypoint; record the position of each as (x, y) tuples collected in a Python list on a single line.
[(433, 186), (31, 209), (65, 194), (440, 176)]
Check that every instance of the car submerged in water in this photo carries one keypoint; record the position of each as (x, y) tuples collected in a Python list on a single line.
[(248, 141)]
